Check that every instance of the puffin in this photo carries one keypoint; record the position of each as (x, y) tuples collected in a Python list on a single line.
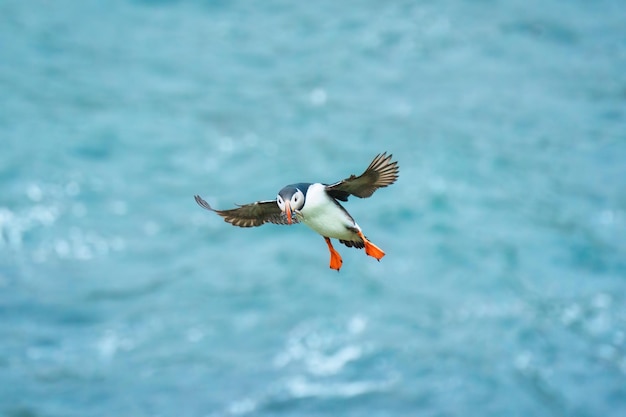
[(317, 206)]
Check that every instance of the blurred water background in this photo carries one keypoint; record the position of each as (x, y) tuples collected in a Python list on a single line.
[(503, 291)]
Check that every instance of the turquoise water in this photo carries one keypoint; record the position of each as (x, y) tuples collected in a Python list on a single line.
[(503, 291)]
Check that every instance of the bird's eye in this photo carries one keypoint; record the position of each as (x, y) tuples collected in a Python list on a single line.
[(280, 201), (298, 200)]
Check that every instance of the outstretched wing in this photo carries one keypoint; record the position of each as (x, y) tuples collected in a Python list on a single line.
[(380, 173), (250, 215)]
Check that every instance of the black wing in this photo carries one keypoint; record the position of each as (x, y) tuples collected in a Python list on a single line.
[(380, 173), (250, 215)]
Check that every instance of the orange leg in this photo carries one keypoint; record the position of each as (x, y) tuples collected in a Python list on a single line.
[(371, 249), (335, 258)]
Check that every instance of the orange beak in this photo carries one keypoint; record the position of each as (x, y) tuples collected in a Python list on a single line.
[(288, 211)]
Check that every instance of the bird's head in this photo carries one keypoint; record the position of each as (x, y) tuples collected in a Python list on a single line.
[(290, 199)]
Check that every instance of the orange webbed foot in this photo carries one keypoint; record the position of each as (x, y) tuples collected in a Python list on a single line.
[(371, 249), (335, 258)]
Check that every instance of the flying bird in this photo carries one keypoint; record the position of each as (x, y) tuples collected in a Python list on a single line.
[(317, 205)]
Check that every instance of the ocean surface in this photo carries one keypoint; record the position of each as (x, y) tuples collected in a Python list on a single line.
[(503, 292)]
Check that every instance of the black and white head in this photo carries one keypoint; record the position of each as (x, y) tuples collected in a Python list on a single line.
[(290, 198)]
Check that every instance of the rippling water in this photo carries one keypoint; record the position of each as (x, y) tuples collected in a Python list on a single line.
[(503, 289)]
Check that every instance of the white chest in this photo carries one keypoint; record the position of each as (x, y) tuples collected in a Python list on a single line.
[(324, 216)]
